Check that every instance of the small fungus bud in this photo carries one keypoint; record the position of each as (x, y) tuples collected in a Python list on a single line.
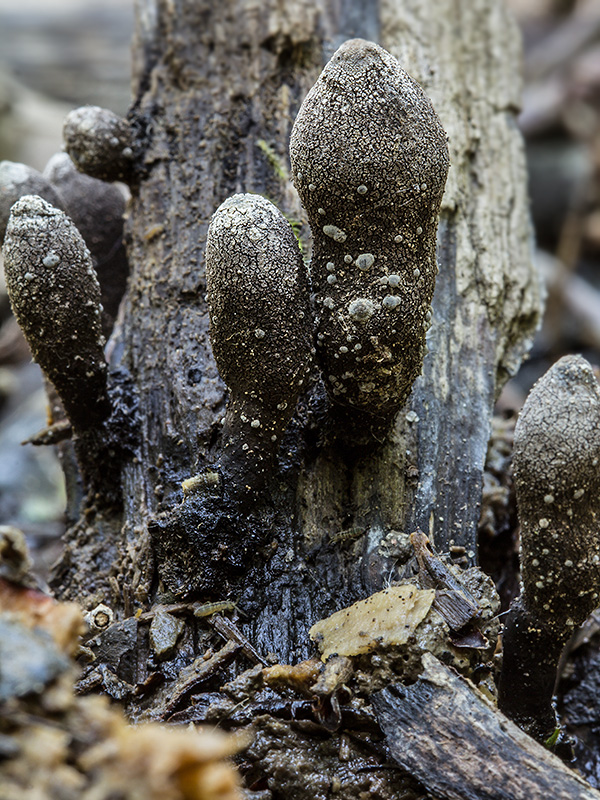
[(17, 180), (97, 209), (100, 143), (55, 298), (256, 281), (556, 456), (365, 136)]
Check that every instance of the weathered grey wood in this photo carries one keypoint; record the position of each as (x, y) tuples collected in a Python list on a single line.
[(487, 299), (461, 748)]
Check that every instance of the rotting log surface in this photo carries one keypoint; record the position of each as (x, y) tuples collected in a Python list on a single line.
[(495, 759), (217, 87)]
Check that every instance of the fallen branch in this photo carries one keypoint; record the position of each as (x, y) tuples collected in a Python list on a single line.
[(461, 748)]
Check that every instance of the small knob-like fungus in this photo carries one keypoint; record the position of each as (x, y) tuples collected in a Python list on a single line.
[(261, 330), (557, 480), (369, 160), (55, 298), (100, 143)]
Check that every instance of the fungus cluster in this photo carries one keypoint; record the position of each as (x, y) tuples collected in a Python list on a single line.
[(557, 480), (97, 209), (94, 206), (369, 159), (66, 271)]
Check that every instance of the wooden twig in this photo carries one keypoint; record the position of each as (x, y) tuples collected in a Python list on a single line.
[(461, 748), (201, 671), (230, 632)]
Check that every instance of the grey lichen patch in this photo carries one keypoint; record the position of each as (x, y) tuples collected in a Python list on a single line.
[(17, 180), (55, 296), (391, 301), (365, 261), (51, 260), (335, 233), (556, 459), (361, 309), (100, 143), (370, 145), (257, 282)]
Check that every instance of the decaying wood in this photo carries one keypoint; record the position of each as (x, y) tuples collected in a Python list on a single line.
[(486, 301), (495, 760), (217, 86), (202, 144)]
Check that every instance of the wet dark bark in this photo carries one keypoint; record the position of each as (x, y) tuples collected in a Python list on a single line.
[(496, 760)]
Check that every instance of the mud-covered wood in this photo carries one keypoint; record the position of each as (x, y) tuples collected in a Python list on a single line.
[(460, 748), (217, 87)]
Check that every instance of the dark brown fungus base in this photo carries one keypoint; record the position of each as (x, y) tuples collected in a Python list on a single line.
[(55, 298), (97, 209), (557, 479), (202, 549), (100, 143), (261, 332), (369, 159), (17, 180)]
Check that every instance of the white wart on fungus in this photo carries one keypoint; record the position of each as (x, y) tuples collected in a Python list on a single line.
[(557, 480), (369, 159), (260, 330), (55, 297)]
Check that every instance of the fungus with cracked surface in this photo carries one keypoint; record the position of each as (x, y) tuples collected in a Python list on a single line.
[(261, 331), (55, 297), (97, 209), (369, 160), (557, 480)]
